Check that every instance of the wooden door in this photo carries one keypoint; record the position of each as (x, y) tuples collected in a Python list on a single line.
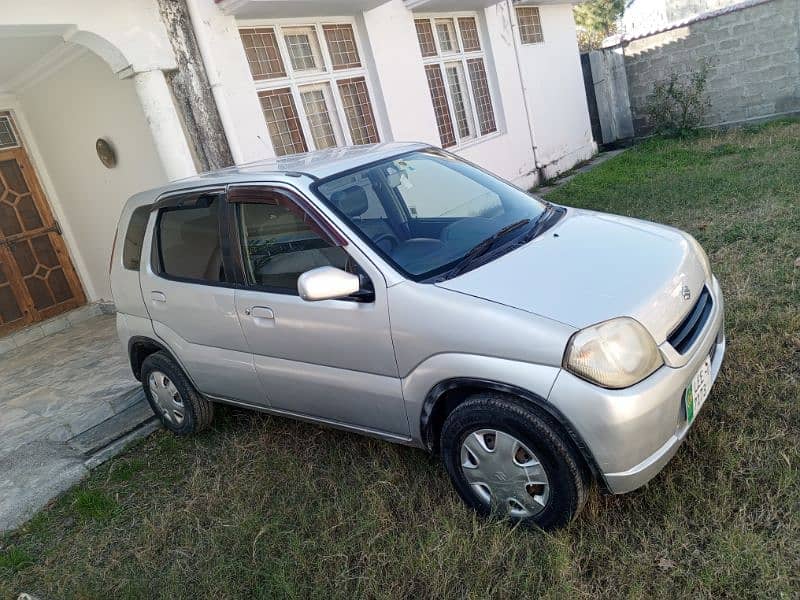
[(37, 279)]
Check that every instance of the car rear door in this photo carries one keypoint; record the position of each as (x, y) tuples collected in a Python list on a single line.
[(331, 360), (189, 293)]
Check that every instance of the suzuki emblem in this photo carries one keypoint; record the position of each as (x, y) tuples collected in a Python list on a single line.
[(686, 293)]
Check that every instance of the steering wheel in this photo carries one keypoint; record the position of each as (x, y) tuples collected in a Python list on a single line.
[(387, 236)]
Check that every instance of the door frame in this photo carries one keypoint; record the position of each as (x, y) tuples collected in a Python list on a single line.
[(52, 228)]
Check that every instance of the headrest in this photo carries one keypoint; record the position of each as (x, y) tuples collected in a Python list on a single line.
[(351, 201)]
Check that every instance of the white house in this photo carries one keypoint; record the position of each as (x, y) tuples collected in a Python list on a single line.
[(161, 89)]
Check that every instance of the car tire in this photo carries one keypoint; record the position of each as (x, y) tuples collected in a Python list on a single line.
[(501, 472), (173, 398)]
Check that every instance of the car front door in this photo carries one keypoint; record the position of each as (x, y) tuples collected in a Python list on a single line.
[(331, 360), (189, 295)]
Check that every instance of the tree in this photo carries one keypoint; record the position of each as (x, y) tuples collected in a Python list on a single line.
[(596, 20)]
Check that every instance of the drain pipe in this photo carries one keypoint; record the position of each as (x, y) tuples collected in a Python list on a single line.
[(200, 25), (517, 53)]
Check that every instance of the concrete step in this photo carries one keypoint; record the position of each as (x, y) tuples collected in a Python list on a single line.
[(135, 416)]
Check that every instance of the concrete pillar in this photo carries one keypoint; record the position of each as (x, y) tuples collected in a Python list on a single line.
[(192, 90), (165, 125), (231, 82)]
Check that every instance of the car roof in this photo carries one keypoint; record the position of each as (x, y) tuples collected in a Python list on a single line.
[(314, 165)]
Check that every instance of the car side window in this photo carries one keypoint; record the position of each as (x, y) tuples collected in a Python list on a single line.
[(280, 242), (134, 238), (188, 242)]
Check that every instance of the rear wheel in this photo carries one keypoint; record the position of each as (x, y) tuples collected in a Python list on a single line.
[(172, 396), (504, 459)]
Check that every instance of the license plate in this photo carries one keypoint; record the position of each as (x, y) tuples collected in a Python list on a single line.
[(697, 391)]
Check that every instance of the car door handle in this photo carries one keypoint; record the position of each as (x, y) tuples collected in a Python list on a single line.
[(158, 296), (260, 312)]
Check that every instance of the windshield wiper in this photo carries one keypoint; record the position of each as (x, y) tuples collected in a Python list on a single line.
[(483, 247), (542, 222)]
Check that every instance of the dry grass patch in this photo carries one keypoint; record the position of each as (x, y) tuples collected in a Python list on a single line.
[(262, 507)]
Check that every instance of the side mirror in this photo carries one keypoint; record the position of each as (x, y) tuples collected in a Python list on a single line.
[(328, 283)]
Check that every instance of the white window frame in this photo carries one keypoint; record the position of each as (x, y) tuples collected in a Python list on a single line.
[(442, 59), (294, 80)]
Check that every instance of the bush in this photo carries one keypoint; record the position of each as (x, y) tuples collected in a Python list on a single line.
[(677, 106)]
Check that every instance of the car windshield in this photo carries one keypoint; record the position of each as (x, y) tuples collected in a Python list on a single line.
[(427, 211)]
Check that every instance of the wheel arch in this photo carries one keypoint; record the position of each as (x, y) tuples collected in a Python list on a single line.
[(140, 347), (448, 394)]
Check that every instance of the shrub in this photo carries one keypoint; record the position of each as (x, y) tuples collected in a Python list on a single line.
[(677, 105)]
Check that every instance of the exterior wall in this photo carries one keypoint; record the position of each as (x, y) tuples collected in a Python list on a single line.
[(402, 102), (231, 83), (554, 85), (399, 76), (64, 115), (754, 55), (509, 153)]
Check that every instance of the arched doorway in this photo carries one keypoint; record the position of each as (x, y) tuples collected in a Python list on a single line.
[(63, 88)]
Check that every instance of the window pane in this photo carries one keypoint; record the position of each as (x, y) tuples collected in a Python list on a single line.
[(303, 48), (446, 32), (530, 25), (189, 245), (459, 96), (263, 56), (425, 36), (134, 237), (469, 34), (280, 244), (438, 95), (358, 109), (342, 46), (321, 117), (282, 122), (483, 99), (7, 137)]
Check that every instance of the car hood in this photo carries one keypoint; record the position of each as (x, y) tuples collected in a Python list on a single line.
[(591, 267)]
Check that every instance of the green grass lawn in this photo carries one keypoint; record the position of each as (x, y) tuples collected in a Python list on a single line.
[(264, 507)]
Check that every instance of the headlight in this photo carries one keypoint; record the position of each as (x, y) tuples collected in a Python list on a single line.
[(701, 254), (614, 354)]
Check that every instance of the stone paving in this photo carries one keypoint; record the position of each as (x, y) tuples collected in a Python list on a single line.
[(52, 390)]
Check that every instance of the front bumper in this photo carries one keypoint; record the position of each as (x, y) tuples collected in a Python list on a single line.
[(632, 433)]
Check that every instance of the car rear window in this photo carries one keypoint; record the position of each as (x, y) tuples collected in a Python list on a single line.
[(134, 238), (188, 242)]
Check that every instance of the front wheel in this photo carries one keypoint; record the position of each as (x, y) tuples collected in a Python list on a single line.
[(504, 459)]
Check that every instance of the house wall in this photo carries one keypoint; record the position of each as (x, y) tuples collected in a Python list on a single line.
[(754, 54), (400, 76), (556, 98), (555, 90), (65, 114), (509, 153)]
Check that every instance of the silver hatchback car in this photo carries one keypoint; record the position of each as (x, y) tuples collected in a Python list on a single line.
[(398, 291)]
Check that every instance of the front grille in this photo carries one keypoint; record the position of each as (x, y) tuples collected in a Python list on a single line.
[(689, 329)]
